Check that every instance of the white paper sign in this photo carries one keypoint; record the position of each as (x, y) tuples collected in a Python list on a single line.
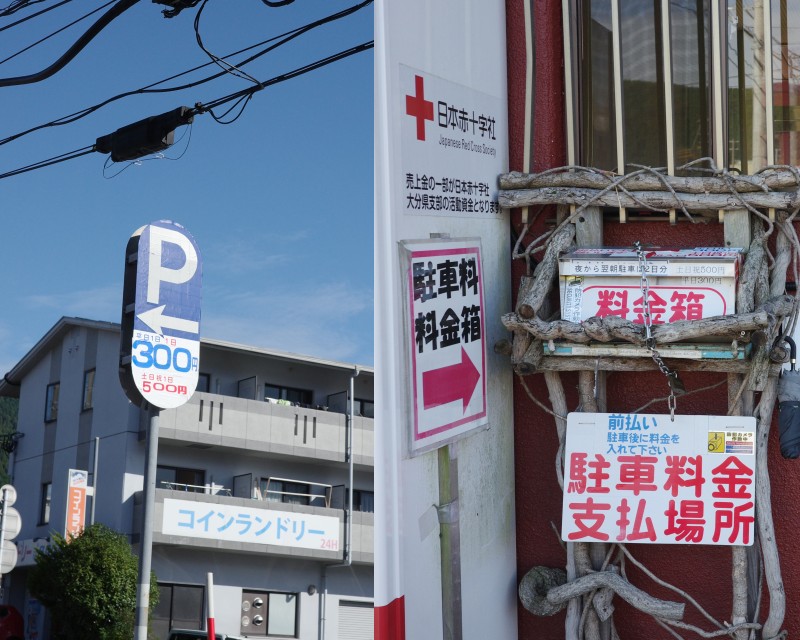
[(643, 478)]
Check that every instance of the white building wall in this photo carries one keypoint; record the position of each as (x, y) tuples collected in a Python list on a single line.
[(48, 450)]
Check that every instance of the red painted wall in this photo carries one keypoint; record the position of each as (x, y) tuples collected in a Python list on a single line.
[(705, 571)]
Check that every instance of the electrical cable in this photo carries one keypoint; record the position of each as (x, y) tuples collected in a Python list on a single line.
[(32, 16), (225, 66), (70, 155), (243, 100), (17, 5), (277, 3), (286, 37), (75, 49), (206, 108), (199, 109), (55, 33)]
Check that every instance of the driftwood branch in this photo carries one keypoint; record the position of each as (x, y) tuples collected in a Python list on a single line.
[(657, 200), (615, 328), (550, 364), (766, 525), (632, 595), (749, 275), (783, 258), (533, 590), (533, 296), (594, 179)]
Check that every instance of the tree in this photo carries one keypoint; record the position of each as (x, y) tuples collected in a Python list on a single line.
[(89, 584)]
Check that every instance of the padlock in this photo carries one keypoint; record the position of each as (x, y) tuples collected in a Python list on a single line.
[(675, 383)]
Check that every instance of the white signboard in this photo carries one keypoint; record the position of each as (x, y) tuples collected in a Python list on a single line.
[(643, 478), (165, 349), (244, 524), (446, 336), (441, 140), (450, 147)]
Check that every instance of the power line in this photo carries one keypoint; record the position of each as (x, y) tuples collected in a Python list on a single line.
[(55, 33), (7, 12), (200, 108), (75, 49), (225, 66), (207, 108), (70, 155), (279, 40)]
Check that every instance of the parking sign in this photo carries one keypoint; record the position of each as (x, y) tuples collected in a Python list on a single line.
[(161, 325)]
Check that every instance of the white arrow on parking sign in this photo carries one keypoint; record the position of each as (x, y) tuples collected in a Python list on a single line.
[(156, 320)]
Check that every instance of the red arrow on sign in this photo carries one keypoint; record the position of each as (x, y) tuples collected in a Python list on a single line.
[(448, 384)]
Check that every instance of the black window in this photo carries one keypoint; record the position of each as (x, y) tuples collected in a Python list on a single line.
[(51, 402), (285, 491), (363, 500), (204, 382), (180, 478), (88, 389), (364, 408), (44, 504), (180, 606), (290, 394)]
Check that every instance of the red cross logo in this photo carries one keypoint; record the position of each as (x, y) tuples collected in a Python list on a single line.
[(420, 108)]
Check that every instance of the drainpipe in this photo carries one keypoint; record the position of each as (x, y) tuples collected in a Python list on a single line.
[(348, 512), (94, 478)]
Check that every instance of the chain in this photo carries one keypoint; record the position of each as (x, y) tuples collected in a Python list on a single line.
[(675, 385)]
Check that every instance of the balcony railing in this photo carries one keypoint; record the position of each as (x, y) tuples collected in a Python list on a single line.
[(213, 489), (325, 496), (256, 426)]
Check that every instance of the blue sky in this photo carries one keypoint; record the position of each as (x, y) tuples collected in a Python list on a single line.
[(280, 201)]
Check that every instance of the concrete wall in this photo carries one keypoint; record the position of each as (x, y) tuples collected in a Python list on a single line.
[(256, 425), (233, 573)]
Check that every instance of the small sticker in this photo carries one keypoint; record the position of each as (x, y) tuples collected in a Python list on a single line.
[(572, 299), (716, 442), (741, 442)]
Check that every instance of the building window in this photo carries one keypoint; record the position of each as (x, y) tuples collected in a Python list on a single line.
[(290, 394), (285, 491), (51, 402), (270, 614), (750, 84), (44, 506), (181, 479), (204, 382), (364, 408), (179, 606), (364, 501), (643, 108), (88, 389)]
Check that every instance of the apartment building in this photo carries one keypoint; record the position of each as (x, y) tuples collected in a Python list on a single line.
[(251, 484)]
